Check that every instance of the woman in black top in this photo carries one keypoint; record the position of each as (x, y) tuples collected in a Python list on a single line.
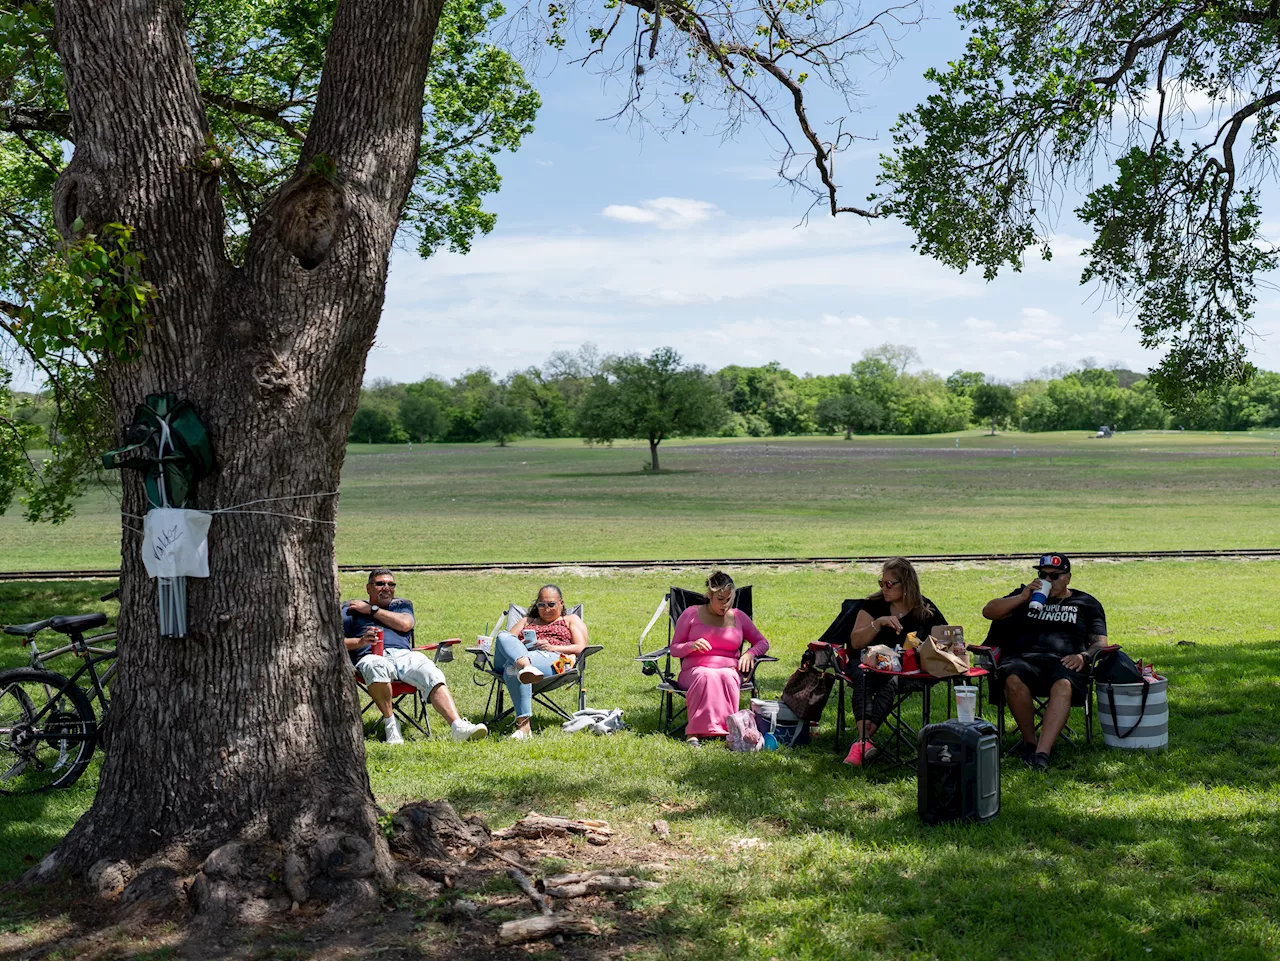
[(886, 617)]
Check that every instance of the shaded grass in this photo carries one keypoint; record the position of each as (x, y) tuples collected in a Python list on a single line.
[(1109, 855), (768, 497)]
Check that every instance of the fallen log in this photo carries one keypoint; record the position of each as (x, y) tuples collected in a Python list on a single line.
[(604, 884), (544, 926), (559, 880), (524, 884), (535, 825)]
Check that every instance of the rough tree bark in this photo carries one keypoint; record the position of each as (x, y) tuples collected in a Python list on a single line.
[(654, 441), (268, 750)]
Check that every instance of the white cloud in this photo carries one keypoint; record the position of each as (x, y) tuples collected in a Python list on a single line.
[(665, 213)]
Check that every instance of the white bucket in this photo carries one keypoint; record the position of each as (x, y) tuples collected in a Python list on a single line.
[(1128, 723)]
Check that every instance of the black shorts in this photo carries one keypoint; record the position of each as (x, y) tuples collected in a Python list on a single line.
[(1039, 671)]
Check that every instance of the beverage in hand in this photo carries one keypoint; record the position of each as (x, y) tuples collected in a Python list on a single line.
[(1039, 594), (378, 646)]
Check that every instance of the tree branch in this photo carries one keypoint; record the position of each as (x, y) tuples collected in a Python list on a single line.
[(273, 114), (24, 120)]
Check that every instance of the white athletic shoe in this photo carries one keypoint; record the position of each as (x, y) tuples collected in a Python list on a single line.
[(530, 675), (521, 735), (391, 730), (464, 730)]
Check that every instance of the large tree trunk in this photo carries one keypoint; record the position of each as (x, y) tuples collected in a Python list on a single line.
[(247, 730)]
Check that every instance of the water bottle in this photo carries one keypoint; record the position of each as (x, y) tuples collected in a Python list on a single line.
[(1039, 594)]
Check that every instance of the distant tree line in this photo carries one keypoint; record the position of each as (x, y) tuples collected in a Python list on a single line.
[(601, 398)]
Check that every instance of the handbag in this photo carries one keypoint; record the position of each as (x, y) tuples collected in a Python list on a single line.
[(939, 661), (1116, 667), (807, 690)]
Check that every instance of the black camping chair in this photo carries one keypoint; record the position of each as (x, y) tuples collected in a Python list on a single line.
[(413, 712), (574, 677), (1001, 642), (832, 655), (659, 663)]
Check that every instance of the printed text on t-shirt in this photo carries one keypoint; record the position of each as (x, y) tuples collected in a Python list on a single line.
[(1054, 612)]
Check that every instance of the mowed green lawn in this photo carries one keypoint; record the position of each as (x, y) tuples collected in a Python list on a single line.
[(1110, 855), (561, 500)]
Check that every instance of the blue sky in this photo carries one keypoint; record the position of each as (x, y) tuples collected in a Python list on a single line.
[(636, 241)]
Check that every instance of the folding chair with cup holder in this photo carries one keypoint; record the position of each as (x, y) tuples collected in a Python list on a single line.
[(575, 677), (415, 714), (659, 663), (831, 655), (1000, 643)]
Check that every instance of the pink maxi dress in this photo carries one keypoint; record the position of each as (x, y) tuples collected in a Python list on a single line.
[(711, 678)]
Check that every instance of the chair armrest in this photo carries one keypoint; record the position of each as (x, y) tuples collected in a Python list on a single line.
[(824, 646), (437, 644), (980, 648), (592, 649), (765, 658), (654, 655)]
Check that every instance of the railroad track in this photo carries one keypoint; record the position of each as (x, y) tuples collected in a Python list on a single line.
[(1261, 552)]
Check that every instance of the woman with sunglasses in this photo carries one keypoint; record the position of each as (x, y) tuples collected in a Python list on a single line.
[(708, 640), (559, 639), (886, 617)]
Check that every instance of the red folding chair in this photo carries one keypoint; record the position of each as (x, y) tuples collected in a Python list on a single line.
[(415, 713)]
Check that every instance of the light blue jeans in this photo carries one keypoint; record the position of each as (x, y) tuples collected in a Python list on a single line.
[(507, 649)]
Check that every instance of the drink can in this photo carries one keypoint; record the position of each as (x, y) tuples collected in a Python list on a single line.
[(378, 645)]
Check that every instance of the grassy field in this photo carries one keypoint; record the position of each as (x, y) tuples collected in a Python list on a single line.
[(560, 500), (1110, 855)]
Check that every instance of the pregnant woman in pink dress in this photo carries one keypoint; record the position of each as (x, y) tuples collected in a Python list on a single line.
[(708, 639)]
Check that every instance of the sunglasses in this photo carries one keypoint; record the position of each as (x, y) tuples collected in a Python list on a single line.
[(384, 583), (1052, 575), (547, 604), (888, 585)]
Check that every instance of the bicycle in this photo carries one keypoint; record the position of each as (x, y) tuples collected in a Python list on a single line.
[(48, 730), (39, 659)]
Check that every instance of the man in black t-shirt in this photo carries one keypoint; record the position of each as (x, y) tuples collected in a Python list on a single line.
[(1046, 651)]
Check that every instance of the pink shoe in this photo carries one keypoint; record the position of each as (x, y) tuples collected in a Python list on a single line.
[(854, 756)]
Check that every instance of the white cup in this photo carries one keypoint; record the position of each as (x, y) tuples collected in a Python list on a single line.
[(1039, 594), (966, 703)]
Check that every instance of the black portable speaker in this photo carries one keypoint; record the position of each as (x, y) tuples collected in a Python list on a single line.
[(958, 772)]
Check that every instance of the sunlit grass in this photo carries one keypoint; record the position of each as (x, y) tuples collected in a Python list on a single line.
[(818, 496)]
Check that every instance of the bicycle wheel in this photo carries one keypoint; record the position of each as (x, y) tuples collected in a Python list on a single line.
[(47, 731)]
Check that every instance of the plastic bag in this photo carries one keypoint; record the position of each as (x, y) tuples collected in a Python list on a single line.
[(743, 733), (175, 543)]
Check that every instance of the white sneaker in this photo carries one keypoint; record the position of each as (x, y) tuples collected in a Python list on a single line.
[(391, 730), (521, 735), (693, 742), (464, 730), (530, 675)]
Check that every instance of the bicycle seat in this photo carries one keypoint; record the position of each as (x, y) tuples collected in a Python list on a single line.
[(24, 630), (75, 623)]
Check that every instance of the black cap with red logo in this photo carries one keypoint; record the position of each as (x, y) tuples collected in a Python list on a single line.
[(1054, 562)]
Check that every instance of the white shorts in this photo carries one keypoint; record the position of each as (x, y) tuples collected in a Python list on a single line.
[(401, 664)]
